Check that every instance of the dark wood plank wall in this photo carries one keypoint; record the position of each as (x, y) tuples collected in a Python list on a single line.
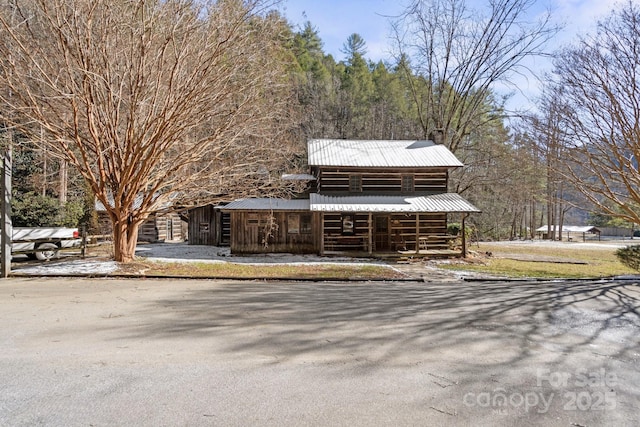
[(154, 229), (402, 231), (262, 232), (147, 232), (381, 181), (161, 228), (202, 226)]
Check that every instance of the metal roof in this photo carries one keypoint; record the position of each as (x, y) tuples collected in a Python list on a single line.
[(298, 177), (268, 204), (448, 202), (571, 228), (99, 206), (379, 153)]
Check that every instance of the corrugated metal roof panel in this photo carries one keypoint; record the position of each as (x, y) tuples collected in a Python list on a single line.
[(268, 204), (572, 228), (448, 202), (379, 153), (99, 206), (298, 177)]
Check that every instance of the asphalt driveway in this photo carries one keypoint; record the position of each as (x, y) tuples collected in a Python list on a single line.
[(169, 352)]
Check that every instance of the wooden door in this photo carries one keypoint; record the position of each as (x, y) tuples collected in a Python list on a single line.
[(381, 232)]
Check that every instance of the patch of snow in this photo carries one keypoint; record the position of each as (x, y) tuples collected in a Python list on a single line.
[(180, 252), (69, 268)]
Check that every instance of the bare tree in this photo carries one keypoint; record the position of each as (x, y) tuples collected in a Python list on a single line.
[(152, 101), (550, 138), (598, 84), (459, 55)]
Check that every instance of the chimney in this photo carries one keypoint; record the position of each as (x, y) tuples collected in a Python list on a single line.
[(437, 136)]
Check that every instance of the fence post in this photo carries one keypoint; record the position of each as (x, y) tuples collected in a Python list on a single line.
[(83, 247)]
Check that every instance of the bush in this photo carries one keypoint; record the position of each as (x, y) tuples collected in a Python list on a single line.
[(630, 256), (35, 210), (454, 229)]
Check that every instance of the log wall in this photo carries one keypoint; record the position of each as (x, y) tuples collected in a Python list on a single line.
[(384, 182)]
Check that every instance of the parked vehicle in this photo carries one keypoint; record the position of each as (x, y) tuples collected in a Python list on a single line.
[(44, 243)]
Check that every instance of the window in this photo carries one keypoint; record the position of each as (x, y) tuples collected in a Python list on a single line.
[(348, 224), (305, 224), (299, 224), (407, 184), (355, 183), (293, 224), (257, 220)]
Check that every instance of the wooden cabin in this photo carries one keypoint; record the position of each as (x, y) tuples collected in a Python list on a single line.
[(370, 198), (209, 225), (159, 226)]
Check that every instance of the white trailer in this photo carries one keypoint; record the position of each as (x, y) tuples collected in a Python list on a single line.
[(44, 243)]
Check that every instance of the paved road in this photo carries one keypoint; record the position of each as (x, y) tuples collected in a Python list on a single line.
[(79, 352)]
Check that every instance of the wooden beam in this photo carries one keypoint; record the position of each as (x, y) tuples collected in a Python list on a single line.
[(7, 227), (322, 233), (417, 232), (370, 243), (464, 236)]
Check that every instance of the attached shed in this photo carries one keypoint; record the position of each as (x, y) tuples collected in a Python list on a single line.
[(265, 225)]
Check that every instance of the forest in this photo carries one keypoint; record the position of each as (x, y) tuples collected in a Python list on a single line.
[(203, 102)]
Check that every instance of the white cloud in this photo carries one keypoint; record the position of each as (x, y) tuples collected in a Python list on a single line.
[(580, 16)]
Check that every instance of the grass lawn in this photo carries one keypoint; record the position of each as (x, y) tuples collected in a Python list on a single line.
[(284, 271), (570, 260)]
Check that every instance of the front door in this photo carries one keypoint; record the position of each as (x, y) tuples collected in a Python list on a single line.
[(381, 232)]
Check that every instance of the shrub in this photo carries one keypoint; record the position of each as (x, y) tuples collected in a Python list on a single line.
[(630, 256), (35, 210)]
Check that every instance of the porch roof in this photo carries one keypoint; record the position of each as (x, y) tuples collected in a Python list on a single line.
[(447, 202), (268, 204)]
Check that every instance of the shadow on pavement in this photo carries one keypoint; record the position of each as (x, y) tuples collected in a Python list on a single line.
[(467, 336)]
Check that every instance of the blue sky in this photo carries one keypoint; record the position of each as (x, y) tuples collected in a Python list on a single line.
[(335, 20)]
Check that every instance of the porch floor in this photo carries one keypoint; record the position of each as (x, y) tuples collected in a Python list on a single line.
[(423, 253)]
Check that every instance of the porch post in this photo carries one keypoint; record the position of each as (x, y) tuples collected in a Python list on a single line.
[(321, 233), (370, 247), (464, 236), (417, 232)]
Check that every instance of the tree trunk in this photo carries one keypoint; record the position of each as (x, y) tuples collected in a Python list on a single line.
[(62, 191), (125, 238)]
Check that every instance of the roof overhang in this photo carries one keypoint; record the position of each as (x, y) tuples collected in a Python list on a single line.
[(267, 204), (437, 203)]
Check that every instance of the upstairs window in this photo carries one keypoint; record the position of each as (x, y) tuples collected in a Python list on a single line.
[(407, 184), (355, 183)]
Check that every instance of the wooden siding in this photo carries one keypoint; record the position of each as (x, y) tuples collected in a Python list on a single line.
[(268, 232), (380, 181), (157, 228), (161, 228), (208, 225)]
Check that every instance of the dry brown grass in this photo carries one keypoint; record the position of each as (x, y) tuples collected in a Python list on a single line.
[(545, 261), (252, 271)]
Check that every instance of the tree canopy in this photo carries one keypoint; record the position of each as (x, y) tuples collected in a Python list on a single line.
[(152, 102)]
